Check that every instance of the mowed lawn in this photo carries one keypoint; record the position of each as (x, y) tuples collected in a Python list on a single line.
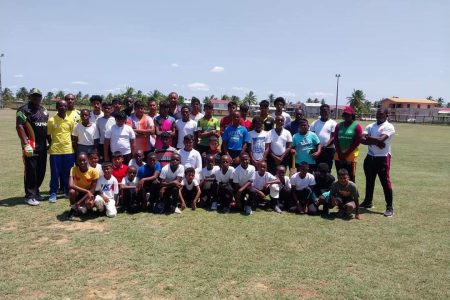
[(201, 254)]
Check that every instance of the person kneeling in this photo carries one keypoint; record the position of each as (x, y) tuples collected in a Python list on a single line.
[(344, 195), (243, 177), (128, 188), (302, 184), (108, 190), (170, 179), (189, 191)]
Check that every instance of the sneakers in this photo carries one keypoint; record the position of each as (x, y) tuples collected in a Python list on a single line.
[(389, 212), (248, 210), (72, 214), (214, 206), (226, 209), (366, 205), (177, 210), (52, 198), (31, 202), (277, 209), (39, 197)]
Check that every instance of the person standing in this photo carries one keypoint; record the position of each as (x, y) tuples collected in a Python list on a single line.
[(129, 104), (96, 105), (174, 109), (293, 127), (280, 103), (59, 135), (31, 127), (347, 136), (280, 146), (378, 136), (324, 128), (72, 112), (268, 121), (143, 127), (196, 113)]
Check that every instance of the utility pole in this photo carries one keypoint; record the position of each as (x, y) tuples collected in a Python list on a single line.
[(337, 93), (1, 91)]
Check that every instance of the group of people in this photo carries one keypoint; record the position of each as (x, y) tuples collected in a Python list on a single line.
[(113, 158)]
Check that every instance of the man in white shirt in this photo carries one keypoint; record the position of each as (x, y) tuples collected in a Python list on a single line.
[(280, 103), (302, 183), (170, 179), (96, 112), (184, 127), (280, 146), (378, 136), (243, 177), (195, 110), (120, 137), (224, 178), (324, 128)]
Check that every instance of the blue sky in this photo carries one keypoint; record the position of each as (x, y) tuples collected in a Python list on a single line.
[(198, 48)]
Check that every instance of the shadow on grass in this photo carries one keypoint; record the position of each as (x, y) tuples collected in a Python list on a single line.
[(13, 201), (366, 211), (90, 215)]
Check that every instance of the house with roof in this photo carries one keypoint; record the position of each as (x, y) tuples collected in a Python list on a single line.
[(405, 109), (220, 107)]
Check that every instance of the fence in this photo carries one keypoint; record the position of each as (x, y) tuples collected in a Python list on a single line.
[(421, 119)]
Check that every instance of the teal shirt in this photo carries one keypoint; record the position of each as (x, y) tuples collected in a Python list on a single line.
[(304, 145)]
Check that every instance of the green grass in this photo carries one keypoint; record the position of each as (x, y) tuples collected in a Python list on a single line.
[(206, 255)]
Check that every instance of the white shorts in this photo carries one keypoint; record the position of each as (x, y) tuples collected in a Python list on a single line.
[(111, 210)]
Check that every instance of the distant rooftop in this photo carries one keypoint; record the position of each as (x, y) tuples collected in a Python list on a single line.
[(410, 100)]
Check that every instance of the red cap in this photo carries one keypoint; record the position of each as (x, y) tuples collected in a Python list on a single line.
[(349, 110)]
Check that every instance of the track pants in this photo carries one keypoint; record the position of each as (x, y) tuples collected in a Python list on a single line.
[(60, 165), (378, 165), (35, 167)]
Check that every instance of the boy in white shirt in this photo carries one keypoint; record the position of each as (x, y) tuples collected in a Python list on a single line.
[(108, 189), (128, 188), (302, 183), (280, 146), (170, 179), (260, 185), (138, 159), (184, 126), (189, 191), (280, 190), (120, 137), (85, 134), (103, 124), (189, 156), (93, 162), (259, 141), (224, 179), (243, 177), (208, 182)]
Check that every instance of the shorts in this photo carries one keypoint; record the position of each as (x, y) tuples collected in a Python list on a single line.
[(110, 207), (339, 202)]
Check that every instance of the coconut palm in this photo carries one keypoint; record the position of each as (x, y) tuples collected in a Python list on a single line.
[(357, 100), (440, 102), (22, 94), (7, 95), (250, 98)]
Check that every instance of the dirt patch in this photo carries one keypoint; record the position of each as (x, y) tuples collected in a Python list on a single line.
[(79, 226), (302, 292), (10, 226), (34, 295), (56, 240), (101, 293)]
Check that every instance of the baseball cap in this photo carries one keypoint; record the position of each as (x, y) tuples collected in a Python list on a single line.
[(349, 110), (34, 91)]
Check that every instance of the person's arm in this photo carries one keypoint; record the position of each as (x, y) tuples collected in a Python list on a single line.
[(266, 151), (75, 143), (316, 154), (106, 143), (175, 137), (49, 141), (73, 186), (199, 192), (133, 146), (287, 151), (180, 194)]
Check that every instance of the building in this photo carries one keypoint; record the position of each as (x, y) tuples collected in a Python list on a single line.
[(410, 109), (220, 107), (311, 110)]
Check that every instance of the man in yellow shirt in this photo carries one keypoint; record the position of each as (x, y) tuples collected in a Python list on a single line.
[(72, 113), (59, 135)]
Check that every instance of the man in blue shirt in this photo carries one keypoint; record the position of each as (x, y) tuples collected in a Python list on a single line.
[(235, 139), (148, 185)]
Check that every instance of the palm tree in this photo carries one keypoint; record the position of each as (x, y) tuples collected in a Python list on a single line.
[(157, 95), (48, 98), (60, 95), (357, 100), (440, 102), (236, 99), (78, 96), (225, 97), (208, 99), (129, 92), (22, 94), (322, 101), (7, 95), (250, 98)]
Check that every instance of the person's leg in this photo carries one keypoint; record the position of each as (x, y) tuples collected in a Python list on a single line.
[(41, 169), (68, 161), (100, 152), (271, 165), (371, 173), (111, 210), (55, 173), (384, 166), (304, 197), (30, 177)]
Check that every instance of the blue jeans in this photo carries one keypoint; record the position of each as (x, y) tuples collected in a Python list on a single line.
[(60, 165)]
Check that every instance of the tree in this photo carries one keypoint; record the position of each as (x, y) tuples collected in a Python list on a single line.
[(250, 98), (158, 96), (85, 99), (22, 94), (448, 105), (181, 100), (60, 95), (440, 102), (208, 99), (316, 100), (271, 99), (7, 95), (309, 100), (430, 98), (322, 101), (48, 98), (376, 104), (109, 97), (225, 97), (357, 100), (79, 96)]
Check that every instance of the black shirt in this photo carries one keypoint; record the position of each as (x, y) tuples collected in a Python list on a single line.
[(34, 121), (323, 184), (268, 123)]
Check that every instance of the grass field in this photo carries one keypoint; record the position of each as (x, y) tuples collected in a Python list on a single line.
[(201, 254)]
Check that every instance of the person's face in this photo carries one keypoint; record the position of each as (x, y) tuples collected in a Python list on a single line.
[(322, 174), (281, 171), (84, 117), (175, 161), (165, 141), (264, 109), (173, 98), (107, 110), (245, 160), (139, 156), (210, 162), (82, 162), (188, 144), (195, 106), (152, 106), (381, 116), (298, 114), (225, 162), (35, 99), (151, 161), (120, 123), (116, 106), (70, 99), (185, 114), (96, 106), (208, 112), (279, 106), (213, 145), (236, 118), (347, 117), (93, 159), (324, 113), (279, 122), (262, 168), (128, 103), (107, 171), (139, 111), (343, 179), (258, 126), (117, 160), (303, 170), (190, 176), (131, 173), (231, 109), (303, 128), (62, 107)]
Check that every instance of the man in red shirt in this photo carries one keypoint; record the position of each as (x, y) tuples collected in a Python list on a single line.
[(226, 121), (243, 109)]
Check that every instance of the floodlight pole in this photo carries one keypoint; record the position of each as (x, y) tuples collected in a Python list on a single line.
[(1, 91), (337, 93)]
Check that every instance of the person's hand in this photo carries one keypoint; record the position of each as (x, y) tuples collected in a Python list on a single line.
[(381, 145), (28, 150), (106, 199), (140, 184), (358, 217), (315, 154), (293, 152), (261, 194), (183, 205)]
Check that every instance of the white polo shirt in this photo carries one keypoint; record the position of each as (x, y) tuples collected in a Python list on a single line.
[(225, 178), (324, 130), (168, 175), (241, 176), (375, 130), (301, 183)]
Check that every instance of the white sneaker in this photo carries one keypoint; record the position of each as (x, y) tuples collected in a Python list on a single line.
[(248, 210), (31, 202), (177, 210), (83, 209), (214, 206)]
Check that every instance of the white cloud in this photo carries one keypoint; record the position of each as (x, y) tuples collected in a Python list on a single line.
[(217, 69), (79, 82), (241, 88), (198, 86), (174, 65), (19, 76), (320, 94), (286, 94)]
